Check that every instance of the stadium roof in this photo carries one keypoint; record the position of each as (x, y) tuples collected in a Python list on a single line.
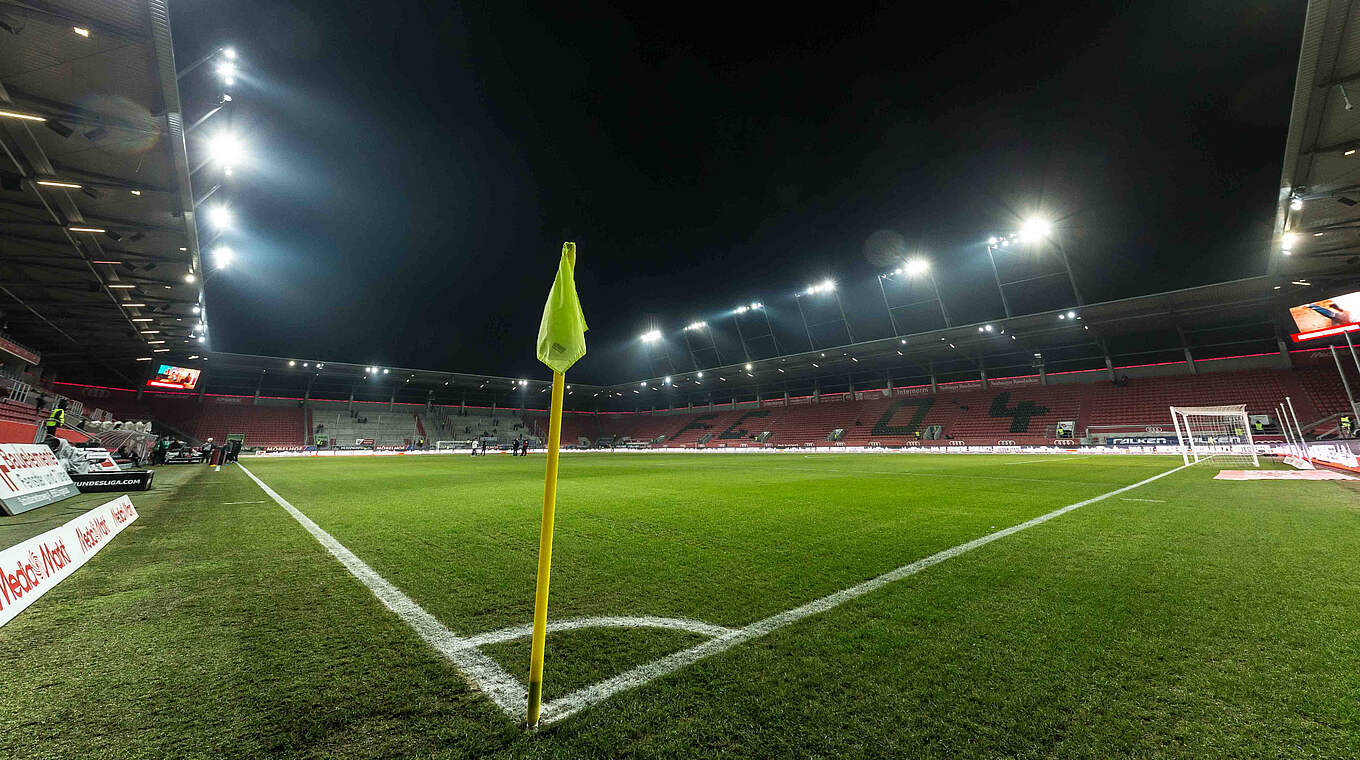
[(1318, 218), (97, 234)]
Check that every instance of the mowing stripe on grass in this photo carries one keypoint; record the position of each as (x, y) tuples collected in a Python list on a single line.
[(595, 693), (482, 671)]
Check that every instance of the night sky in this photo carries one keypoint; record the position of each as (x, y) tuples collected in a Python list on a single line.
[(416, 166)]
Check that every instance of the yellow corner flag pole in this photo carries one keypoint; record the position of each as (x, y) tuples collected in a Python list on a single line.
[(545, 535), (561, 341)]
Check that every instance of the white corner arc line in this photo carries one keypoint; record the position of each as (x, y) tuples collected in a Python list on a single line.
[(555, 626), (480, 670), (630, 679)]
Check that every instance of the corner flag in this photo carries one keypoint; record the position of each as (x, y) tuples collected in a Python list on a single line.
[(561, 341), (562, 333)]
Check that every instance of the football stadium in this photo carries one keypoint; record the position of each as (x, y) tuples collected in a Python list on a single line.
[(372, 385)]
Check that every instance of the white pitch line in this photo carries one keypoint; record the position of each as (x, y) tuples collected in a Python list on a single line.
[(596, 693), (482, 671), (242, 502), (1153, 501), (524, 631)]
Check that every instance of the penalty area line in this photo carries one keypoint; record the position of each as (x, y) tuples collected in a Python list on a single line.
[(594, 694), (481, 671)]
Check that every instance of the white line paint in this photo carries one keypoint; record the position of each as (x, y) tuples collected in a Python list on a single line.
[(482, 671), (596, 693), (525, 631), (1151, 501), (243, 502), (512, 697)]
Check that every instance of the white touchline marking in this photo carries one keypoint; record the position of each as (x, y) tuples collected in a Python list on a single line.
[(525, 631), (242, 502), (484, 673), (595, 693), (1154, 501)]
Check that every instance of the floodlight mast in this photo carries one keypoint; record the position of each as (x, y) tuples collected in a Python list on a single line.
[(1033, 231)]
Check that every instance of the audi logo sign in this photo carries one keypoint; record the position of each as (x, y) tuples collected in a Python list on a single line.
[(1152, 429)]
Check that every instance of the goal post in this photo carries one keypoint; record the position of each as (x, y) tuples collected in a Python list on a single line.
[(1220, 432)]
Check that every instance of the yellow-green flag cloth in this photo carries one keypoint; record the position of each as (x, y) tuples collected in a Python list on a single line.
[(562, 333)]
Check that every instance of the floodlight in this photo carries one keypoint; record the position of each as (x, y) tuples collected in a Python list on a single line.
[(82, 31), (748, 366), (91, 230), (988, 328), (1288, 239), (692, 326), (1071, 315), (60, 183), (229, 53), (742, 309), (651, 336), (700, 375), (828, 286), (757, 305), (916, 267), (992, 240), (643, 384), (227, 70), (1296, 203), (189, 278), (219, 216), (292, 363), (384, 372), (226, 149), (222, 256), (1035, 229), (667, 381)]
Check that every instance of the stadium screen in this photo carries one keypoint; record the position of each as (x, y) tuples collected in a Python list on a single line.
[(1329, 316), (179, 378)]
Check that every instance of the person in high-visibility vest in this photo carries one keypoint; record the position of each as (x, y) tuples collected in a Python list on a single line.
[(1345, 426), (56, 419)]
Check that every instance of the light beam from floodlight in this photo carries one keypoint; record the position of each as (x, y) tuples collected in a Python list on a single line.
[(651, 336)]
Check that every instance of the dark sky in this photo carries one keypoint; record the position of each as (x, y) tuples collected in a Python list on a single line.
[(416, 166)]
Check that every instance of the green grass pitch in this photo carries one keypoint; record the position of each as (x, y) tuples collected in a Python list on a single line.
[(1185, 618)]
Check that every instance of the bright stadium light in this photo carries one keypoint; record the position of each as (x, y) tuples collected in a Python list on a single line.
[(748, 366), (692, 326), (1287, 242), (189, 278), (643, 384), (227, 150), (742, 309), (385, 372), (292, 363), (223, 256), (757, 305), (699, 375), (198, 309), (1296, 203), (229, 53), (667, 381), (1071, 315), (1034, 230), (651, 336), (522, 382), (219, 216), (916, 267)]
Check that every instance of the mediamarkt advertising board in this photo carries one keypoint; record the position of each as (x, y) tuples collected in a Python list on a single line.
[(31, 476), (31, 568)]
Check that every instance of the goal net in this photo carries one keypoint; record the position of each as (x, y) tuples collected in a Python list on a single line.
[(448, 445), (1222, 433)]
